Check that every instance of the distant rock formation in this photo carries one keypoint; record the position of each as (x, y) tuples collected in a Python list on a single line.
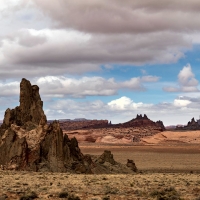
[(139, 121), (144, 121), (83, 124), (160, 124), (191, 125)]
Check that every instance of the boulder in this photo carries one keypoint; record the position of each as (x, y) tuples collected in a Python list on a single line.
[(106, 157), (130, 164)]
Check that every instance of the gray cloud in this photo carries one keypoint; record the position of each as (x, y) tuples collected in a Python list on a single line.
[(68, 49), (78, 37), (115, 16)]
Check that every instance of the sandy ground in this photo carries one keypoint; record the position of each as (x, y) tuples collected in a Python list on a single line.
[(126, 136), (189, 137)]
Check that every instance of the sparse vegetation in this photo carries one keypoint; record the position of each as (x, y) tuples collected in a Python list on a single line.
[(29, 195), (166, 194), (154, 186), (63, 195)]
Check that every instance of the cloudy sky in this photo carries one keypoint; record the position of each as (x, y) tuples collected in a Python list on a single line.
[(102, 59)]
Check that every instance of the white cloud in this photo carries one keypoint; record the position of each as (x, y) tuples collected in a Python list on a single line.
[(122, 109), (125, 103), (186, 80), (181, 102), (60, 86)]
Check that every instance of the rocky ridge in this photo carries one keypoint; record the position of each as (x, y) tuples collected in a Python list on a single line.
[(28, 142), (144, 121), (191, 125), (83, 124), (130, 132)]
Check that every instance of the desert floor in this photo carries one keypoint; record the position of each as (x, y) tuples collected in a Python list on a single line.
[(165, 172), (170, 170), (24, 185), (153, 158)]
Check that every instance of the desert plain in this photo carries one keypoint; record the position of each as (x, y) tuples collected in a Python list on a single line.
[(168, 168)]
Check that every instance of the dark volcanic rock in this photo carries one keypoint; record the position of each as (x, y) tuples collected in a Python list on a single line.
[(27, 142), (30, 108)]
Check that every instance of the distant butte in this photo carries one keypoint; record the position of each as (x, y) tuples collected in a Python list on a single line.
[(101, 131)]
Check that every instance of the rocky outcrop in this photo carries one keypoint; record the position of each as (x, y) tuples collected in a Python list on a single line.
[(160, 124), (131, 165), (106, 157), (30, 108), (191, 125), (144, 121), (27, 142)]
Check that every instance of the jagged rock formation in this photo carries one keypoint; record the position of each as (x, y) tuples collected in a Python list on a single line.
[(106, 157), (160, 124), (30, 108), (28, 142), (191, 125), (144, 121)]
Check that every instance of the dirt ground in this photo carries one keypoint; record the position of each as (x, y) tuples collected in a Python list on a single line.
[(168, 158), (165, 172)]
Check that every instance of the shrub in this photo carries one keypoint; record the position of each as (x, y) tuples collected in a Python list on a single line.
[(73, 197), (63, 195), (29, 196), (166, 194)]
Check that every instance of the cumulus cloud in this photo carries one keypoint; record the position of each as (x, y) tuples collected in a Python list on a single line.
[(60, 86), (186, 80), (74, 38), (181, 102), (90, 86), (125, 103)]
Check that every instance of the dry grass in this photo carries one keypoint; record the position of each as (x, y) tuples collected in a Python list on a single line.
[(16, 185), (166, 173)]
